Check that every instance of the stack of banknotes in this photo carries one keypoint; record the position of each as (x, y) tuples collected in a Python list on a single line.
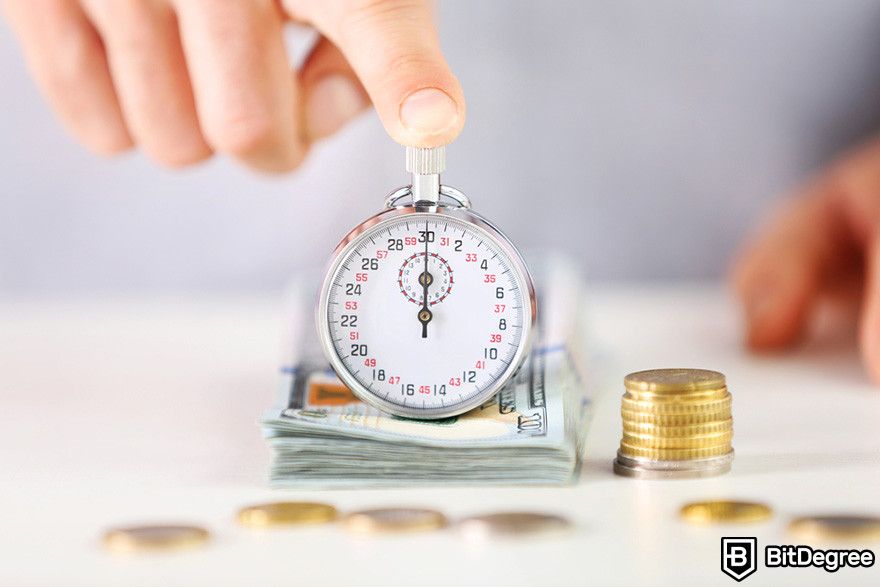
[(321, 435)]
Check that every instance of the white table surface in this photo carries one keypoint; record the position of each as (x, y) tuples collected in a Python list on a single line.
[(118, 411)]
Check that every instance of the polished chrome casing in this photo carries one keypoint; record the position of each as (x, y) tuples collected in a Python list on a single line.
[(460, 209)]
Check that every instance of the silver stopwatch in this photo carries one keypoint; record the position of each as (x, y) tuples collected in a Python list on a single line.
[(427, 309)]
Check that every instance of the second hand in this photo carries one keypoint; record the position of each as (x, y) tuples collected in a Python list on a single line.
[(426, 278)]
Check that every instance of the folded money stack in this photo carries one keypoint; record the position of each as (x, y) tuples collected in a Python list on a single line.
[(322, 435)]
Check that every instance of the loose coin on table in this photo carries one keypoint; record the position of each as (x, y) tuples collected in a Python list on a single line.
[(286, 513), (155, 537), (677, 423), (391, 520), (513, 524), (836, 528), (725, 512)]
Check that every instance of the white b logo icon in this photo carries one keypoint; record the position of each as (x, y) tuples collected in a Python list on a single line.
[(739, 557)]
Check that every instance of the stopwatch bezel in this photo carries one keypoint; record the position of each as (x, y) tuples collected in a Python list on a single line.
[(387, 216)]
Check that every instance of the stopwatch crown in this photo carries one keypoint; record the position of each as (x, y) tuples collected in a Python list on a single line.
[(426, 161)]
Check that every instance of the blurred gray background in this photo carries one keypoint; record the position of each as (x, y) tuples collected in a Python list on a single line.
[(644, 137)]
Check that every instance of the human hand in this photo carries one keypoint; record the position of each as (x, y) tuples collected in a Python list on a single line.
[(824, 243), (182, 79)]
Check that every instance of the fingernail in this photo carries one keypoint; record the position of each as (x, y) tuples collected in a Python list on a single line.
[(429, 111), (333, 101)]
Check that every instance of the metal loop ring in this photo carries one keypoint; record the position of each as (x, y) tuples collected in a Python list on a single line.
[(459, 200)]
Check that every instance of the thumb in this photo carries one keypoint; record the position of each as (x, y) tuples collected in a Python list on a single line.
[(393, 48)]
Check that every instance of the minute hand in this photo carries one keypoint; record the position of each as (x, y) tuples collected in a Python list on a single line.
[(425, 314)]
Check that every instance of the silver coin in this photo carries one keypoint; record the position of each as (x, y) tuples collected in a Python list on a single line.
[(513, 524), (390, 520), (836, 527), (154, 537), (641, 468)]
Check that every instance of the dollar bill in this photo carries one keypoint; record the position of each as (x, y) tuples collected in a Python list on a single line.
[(530, 432)]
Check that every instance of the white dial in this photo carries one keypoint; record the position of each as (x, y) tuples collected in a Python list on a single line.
[(418, 355)]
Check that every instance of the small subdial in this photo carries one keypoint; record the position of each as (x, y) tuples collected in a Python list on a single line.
[(411, 278)]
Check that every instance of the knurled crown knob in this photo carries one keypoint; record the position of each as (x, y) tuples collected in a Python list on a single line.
[(422, 161)]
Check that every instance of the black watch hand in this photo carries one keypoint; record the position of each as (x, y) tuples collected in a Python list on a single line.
[(425, 278)]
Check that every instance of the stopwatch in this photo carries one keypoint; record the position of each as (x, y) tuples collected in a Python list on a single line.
[(426, 309)]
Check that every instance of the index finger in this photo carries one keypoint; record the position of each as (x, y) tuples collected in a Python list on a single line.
[(392, 46)]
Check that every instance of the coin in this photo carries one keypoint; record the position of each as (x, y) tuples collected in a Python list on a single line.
[(513, 524), (677, 423), (680, 430), (675, 442), (674, 380), (286, 513), (636, 417), (384, 520), (642, 468), (681, 396), (674, 454), (678, 406), (836, 527), (155, 537), (725, 512)]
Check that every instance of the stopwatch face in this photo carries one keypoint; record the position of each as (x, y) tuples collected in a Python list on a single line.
[(426, 314)]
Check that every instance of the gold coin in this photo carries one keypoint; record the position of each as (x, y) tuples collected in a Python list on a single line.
[(158, 537), (673, 454), (702, 441), (286, 513), (680, 407), (836, 527), (674, 380), (513, 524), (725, 512), (681, 396), (385, 520), (654, 419), (678, 431)]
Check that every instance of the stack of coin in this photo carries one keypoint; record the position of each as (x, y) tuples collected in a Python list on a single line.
[(676, 424)]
